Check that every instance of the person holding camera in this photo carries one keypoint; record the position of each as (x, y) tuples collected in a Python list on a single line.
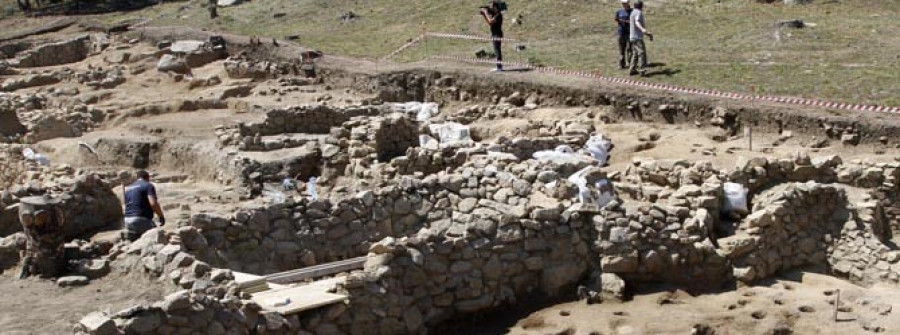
[(638, 30), (493, 15)]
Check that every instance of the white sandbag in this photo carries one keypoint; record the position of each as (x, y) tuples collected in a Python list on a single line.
[(31, 155), (600, 193), (564, 149), (451, 133), (606, 192), (428, 142), (421, 110), (552, 155), (28, 153), (599, 147), (735, 198)]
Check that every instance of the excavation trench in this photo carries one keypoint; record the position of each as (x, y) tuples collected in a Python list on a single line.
[(420, 236)]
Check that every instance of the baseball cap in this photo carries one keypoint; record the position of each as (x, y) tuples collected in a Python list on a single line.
[(624, 1)]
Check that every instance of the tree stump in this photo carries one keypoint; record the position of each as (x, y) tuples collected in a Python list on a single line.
[(42, 220)]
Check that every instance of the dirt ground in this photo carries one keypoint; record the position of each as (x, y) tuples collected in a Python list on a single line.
[(36, 306), (802, 302)]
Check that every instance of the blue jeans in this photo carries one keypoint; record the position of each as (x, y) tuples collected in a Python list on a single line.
[(135, 226)]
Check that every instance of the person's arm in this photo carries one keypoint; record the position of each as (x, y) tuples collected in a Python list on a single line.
[(637, 23), (154, 204), (619, 20), (487, 18)]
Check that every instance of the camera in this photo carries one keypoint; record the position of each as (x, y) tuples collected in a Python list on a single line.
[(501, 4)]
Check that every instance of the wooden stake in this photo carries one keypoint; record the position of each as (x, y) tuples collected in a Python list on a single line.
[(837, 303), (750, 137)]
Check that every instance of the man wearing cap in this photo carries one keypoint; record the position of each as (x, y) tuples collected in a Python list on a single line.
[(623, 17), (638, 30)]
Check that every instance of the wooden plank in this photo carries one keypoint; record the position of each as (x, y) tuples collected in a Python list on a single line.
[(317, 271), (296, 299)]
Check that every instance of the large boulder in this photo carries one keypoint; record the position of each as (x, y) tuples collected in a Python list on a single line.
[(172, 63)]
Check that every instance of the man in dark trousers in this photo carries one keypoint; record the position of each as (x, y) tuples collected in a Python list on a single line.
[(140, 205), (493, 14), (623, 17)]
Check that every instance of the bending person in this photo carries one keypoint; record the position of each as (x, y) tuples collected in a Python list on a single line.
[(141, 204)]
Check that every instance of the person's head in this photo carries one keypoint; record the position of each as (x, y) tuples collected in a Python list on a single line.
[(495, 5), (638, 4), (143, 175), (626, 4)]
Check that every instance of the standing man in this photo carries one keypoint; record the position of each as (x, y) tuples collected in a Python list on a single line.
[(493, 15), (211, 5), (140, 205), (638, 30), (623, 20)]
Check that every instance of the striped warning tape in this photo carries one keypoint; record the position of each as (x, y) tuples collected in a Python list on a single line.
[(409, 44), (676, 89), (419, 38), (470, 37)]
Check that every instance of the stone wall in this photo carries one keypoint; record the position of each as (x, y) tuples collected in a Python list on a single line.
[(315, 119), (792, 225), (65, 52), (294, 235)]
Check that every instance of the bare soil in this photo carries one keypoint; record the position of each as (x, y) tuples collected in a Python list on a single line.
[(38, 306)]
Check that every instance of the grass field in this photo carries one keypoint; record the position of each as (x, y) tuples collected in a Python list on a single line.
[(851, 54)]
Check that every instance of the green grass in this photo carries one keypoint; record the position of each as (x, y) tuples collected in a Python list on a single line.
[(8, 9), (852, 54)]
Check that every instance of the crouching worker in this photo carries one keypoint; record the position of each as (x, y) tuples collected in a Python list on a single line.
[(140, 205)]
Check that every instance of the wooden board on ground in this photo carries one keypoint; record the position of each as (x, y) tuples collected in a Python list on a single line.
[(296, 299)]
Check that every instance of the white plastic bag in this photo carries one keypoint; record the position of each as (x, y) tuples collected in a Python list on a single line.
[(428, 142), (451, 133), (564, 149), (606, 192), (313, 194), (31, 155), (600, 193), (422, 110), (735, 198), (599, 147)]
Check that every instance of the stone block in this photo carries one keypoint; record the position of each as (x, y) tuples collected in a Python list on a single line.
[(97, 323)]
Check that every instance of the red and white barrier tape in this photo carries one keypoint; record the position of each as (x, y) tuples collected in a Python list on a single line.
[(676, 89), (404, 47), (419, 38), (470, 37)]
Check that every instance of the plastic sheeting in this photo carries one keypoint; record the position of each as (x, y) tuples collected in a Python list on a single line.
[(31, 155), (599, 147), (429, 142), (600, 193), (451, 133), (423, 111)]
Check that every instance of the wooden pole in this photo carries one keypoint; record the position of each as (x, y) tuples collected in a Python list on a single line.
[(42, 221), (837, 304), (750, 137)]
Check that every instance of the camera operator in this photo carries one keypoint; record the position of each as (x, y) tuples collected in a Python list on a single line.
[(493, 15)]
